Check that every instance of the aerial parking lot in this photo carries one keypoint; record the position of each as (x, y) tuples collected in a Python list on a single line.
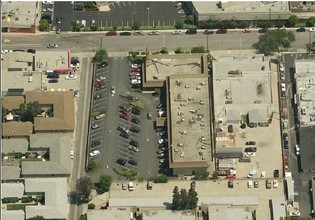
[(125, 137)]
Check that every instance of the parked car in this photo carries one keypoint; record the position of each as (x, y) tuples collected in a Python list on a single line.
[(123, 129), (208, 31), (134, 149), (134, 74), (135, 111), (250, 154), (52, 45), (113, 90), (111, 33), (301, 29), (76, 93), (95, 153), (275, 184), (256, 184), (297, 150), (121, 106), (134, 143), (53, 81), (124, 135), (282, 67), (252, 173), (276, 174), (98, 96), (124, 117), (153, 33), (268, 184), (130, 186), (95, 126), (193, 185), (231, 184), (191, 31), (135, 81), (100, 84), (71, 77), (31, 51), (135, 65), (125, 33), (138, 33), (221, 31), (162, 141), (250, 149), (102, 65), (176, 32), (250, 184), (124, 186), (312, 29), (285, 137), (250, 142), (230, 128), (135, 130), (135, 121), (149, 116), (101, 78), (121, 162), (282, 76), (132, 162), (95, 143), (100, 116), (246, 30), (71, 154), (286, 144)]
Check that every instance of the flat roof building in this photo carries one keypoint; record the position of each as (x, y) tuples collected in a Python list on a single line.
[(158, 67), (19, 16), (244, 11), (188, 119)]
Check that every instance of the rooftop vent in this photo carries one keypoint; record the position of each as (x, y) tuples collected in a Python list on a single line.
[(198, 88), (182, 120), (155, 77), (182, 104), (201, 102), (179, 96), (190, 98), (175, 149), (181, 154), (180, 113), (202, 83), (192, 111), (202, 124), (180, 144), (178, 82), (202, 138), (186, 86)]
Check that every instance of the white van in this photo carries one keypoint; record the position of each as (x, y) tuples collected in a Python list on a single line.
[(130, 186), (250, 184)]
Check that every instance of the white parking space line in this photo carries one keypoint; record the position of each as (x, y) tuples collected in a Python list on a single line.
[(124, 3)]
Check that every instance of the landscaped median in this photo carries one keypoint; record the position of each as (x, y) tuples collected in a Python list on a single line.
[(133, 101), (130, 174)]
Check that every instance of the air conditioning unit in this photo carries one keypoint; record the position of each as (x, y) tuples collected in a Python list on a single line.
[(192, 111), (183, 119), (198, 88), (187, 86), (201, 102)]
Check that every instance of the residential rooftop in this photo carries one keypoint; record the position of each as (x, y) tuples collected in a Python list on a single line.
[(12, 102), (109, 214), (158, 67), (16, 129), (189, 120), (10, 190), (168, 215), (15, 145)]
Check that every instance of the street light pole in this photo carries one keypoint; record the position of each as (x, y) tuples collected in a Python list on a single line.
[(148, 17)]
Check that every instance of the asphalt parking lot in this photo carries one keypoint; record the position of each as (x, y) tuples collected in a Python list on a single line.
[(113, 146), (120, 14)]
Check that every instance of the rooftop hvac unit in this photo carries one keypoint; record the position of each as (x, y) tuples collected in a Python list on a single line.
[(184, 132), (178, 82), (202, 83), (203, 147), (187, 86), (190, 98), (181, 154), (198, 88), (180, 113), (200, 116), (202, 138), (180, 144), (202, 124), (175, 149), (182, 104), (183, 119), (155, 77), (179, 96), (192, 111), (201, 102)]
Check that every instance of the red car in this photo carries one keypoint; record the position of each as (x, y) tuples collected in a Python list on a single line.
[(221, 31), (111, 33), (134, 70), (125, 112), (124, 117), (100, 84), (246, 30)]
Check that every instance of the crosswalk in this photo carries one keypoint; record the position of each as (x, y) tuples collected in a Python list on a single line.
[(114, 5)]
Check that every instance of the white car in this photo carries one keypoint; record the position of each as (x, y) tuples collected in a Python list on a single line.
[(312, 29), (124, 186), (135, 77), (101, 78), (161, 141), (72, 154), (177, 32), (282, 76), (297, 150), (250, 184), (161, 160), (252, 173), (134, 74), (98, 117), (71, 76), (282, 87), (281, 67), (135, 81), (275, 184), (95, 153), (135, 149), (76, 93), (52, 46), (263, 174), (134, 65), (250, 154), (113, 90)]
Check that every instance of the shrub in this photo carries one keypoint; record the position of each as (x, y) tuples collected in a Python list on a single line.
[(27, 199), (199, 49), (159, 179), (164, 50), (10, 200), (178, 50), (91, 206)]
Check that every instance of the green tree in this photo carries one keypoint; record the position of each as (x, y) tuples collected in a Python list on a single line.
[(76, 27), (192, 199), (91, 206), (189, 19), (43, 25), (160, 179), (201, 175), (90, 6), (92, 166), (29, 111), (104, 183), (310, 22), (273, 40), (101, 55), (184, 199), (199, 49), (136, 26), (164, 50), (84, 187), (37, 217), (179, 24), (292, 21), (178, 50), (176, 199)]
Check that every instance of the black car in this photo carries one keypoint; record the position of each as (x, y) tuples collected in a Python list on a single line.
[(301, 29), (53, 81), (132, 162), (250, 149), (285, 137), (125, 33), (231, 184), (208, 32), (193, 185), (230, 128), (263, 30), (191, 31), (135, 130), (121, 162), (31, 51), (276, 174), (102, 65), (95, 143), (135, 111), (124, 135), (286, 144), (250, 143), (136, 121), (134, 143), (52, 76), (121, 129)]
